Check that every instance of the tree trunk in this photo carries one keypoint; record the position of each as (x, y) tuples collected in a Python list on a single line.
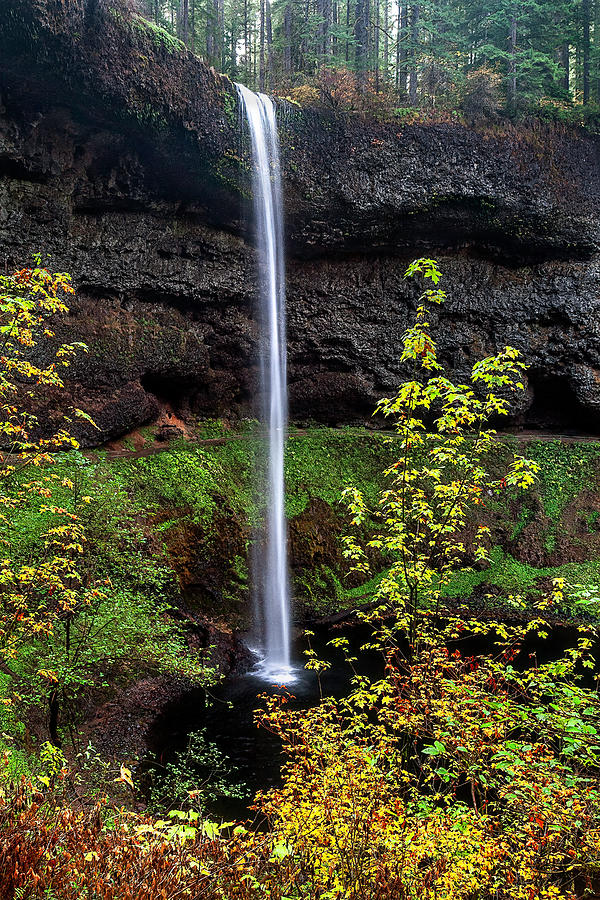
[(512, 62), (565, 65), (210, 33), (247, 48), (597, 48), (261, 48), (402, 50), (360, 37), (586, 15), (254, 55), (269, 27), (414, 39), (326, 30), (220, 48), (185, 22), (233, 38), (369, 32), (398, 45), (386, 40), (347, 31), (287, 38), (320, 25), (335, 22), (376, 44), (304, 40)]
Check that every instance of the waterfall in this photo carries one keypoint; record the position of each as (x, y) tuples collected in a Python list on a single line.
[(274, 594)]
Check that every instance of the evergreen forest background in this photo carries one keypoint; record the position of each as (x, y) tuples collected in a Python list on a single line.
[(487, 56)]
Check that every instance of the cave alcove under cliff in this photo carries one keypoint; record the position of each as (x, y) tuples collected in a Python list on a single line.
[(555, 407), (172, 393)]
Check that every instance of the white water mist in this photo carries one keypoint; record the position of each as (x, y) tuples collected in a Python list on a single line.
[(274, 603)]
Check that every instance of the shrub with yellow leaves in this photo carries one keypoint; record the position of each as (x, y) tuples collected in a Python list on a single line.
[(40, 592)]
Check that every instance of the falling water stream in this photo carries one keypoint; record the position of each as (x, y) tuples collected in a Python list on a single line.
[(271, 573), (226, 725)]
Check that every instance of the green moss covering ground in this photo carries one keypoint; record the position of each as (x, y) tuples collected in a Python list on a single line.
[(320, 463), (192, 506), (566, 471), (551, 532), (513, 577)]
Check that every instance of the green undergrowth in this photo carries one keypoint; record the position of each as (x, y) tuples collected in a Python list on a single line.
[(325, 461), (505, 578), (564, 504), (138, 501), (171, 532), (195, 489), (320, 463), (567, 470), (514, 578), (206, 484), (324, 591), (148, 519), (562, 508)]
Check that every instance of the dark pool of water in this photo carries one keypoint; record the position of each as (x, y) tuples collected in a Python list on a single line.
[(227, 718)]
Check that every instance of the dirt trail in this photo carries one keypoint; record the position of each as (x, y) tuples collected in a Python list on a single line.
[(164, 446)]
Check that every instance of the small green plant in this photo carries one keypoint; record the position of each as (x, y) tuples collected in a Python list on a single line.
[(199, 775)]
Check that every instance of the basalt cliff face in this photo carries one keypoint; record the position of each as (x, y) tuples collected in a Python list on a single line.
[(122, 161)]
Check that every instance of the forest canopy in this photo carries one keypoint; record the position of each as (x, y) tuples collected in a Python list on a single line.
[(482, 56)]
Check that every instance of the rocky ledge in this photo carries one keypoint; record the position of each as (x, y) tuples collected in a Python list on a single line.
[(122, 160)]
